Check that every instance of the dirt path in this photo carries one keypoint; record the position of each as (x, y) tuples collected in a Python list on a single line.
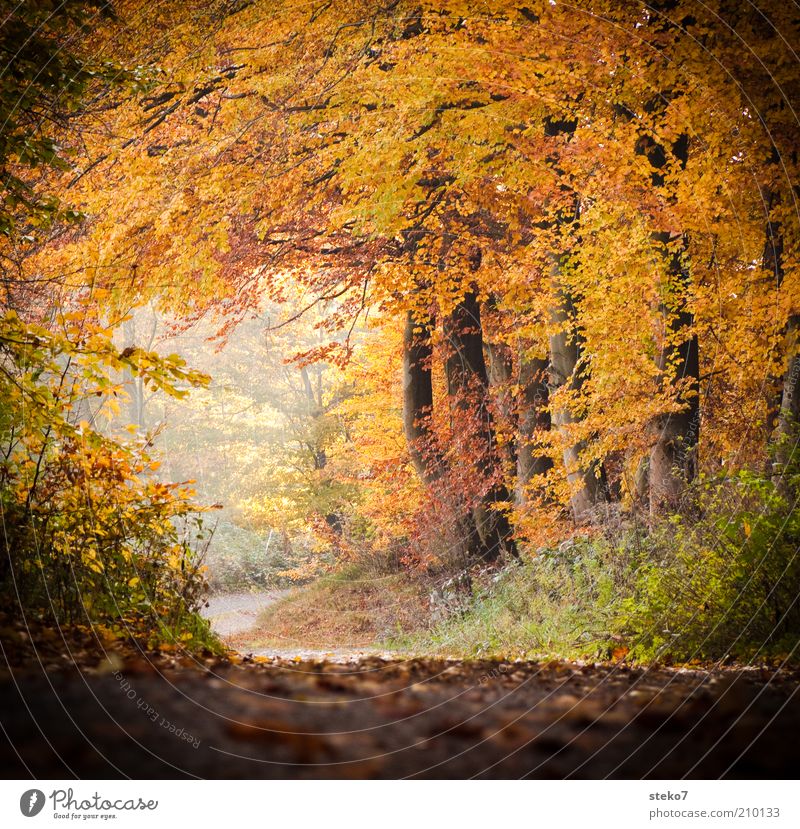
[(236, 613), (336, 656), (376, 718), (234, 617)]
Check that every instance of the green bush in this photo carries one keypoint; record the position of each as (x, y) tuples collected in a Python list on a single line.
[(561, 602), (721, 581), (91, 537), (724, 584)]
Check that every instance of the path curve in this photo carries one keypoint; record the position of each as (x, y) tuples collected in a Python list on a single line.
[(233, 613)]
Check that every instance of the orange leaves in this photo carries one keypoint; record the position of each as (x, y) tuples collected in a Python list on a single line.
[(337, 354), (348, 161)]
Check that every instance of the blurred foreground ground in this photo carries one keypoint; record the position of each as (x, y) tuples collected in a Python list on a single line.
[(156, 716)]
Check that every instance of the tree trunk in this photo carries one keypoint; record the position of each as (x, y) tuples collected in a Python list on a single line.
[(787, 431), (787, 427), (772, 262), (313, 444), (587, 481), (534, 418), (418, 396), (465, 365), (501, 371), (641, 483), (133, 383), (673, 457), (417, 412), (468, 386), (500, 364)]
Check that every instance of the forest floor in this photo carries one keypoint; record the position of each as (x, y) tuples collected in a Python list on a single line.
[(100, 708), (156, 715)]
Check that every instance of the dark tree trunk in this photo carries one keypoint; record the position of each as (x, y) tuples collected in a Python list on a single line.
[(673, 456), (566, 371), (786, 414), (533, 419), (500, 365), (465, 364), (468, 386), (417, 412), (772, 262), (418, 396), (787, 431)]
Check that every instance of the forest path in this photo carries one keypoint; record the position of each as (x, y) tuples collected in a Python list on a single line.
[(234, 618), (156, 716), (237, 612)]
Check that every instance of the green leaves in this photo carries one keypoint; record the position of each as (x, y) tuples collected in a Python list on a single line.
[(89, 530), (47, 77)]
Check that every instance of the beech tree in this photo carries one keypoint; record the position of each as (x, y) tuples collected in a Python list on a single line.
[(610, 163)]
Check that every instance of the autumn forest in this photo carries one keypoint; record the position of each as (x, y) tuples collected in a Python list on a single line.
[(446, 330)]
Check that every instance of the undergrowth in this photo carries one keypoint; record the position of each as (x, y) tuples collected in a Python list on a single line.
[(719, 582), (347, 608), (91, 537)]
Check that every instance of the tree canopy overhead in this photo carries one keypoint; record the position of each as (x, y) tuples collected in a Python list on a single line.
[(569, 229)]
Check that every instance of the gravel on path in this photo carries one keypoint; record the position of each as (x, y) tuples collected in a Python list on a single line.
[(232, 613)]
